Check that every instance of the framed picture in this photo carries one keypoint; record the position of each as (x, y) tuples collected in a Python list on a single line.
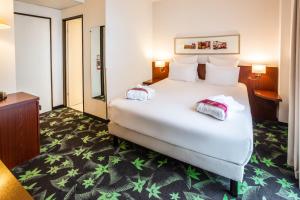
[(226, 44)]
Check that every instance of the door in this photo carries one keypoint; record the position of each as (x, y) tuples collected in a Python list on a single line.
[(74, 69), (33, 57)]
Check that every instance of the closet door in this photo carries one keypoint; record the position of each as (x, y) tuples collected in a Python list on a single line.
[(33, 57)]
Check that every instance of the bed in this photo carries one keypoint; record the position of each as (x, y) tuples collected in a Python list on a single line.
[(170, 125)]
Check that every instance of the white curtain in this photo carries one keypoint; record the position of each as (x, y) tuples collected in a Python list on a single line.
[(294, 105)]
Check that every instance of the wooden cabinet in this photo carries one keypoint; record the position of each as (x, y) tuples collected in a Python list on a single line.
[(19, 129)]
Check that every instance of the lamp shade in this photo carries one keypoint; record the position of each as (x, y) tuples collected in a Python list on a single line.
[(160, 64), (259, 69), (3, 24)]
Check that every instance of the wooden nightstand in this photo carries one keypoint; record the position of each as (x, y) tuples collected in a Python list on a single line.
[(268, 95), (266, 104), (151, 81)]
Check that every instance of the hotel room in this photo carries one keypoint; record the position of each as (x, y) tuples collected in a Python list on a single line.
[(149, 99)]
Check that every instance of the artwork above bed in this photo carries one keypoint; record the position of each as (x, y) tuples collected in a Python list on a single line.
[(227, 44)]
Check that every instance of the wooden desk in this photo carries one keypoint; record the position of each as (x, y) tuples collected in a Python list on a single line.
[(19, 129), (10, 188)]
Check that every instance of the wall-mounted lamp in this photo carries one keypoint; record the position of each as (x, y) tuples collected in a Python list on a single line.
[(160, 64), (258, 70), (3, 24)]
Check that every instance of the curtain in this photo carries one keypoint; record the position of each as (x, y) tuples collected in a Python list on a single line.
[(294, 105)]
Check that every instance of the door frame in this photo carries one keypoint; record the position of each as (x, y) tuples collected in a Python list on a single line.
[(51, 57), (64, 32), (102, 46)]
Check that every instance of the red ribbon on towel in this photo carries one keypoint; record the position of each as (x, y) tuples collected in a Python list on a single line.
[(215, 104)]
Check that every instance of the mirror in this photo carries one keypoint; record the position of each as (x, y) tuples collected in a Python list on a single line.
[(97, 63)]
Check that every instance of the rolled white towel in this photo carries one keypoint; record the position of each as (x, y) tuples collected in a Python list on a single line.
[(141, 93), (233, 105), (220, 107), (151, 91), (213, 108)]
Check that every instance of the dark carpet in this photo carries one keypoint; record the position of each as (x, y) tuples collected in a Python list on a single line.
[(78, 161)]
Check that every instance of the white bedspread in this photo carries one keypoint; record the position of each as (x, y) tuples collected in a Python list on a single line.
[(171, 117)]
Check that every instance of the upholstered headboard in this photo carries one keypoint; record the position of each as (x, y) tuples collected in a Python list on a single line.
[(268, 81)]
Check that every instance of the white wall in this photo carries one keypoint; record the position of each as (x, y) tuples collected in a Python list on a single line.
[(93, 15), (57, 72), (285, 58), (257, 22), (7, 49), (128, 44)]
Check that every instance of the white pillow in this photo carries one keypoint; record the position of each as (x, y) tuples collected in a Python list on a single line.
[(183, 72), (226, 76), (224, 61), (186, 59)]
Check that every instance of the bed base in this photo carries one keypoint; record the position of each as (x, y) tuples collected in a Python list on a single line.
[(233, 182), (234, 188)]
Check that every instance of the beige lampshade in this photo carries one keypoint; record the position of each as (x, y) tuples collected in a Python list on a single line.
[(3, 24), (259, 69), (160, 63)]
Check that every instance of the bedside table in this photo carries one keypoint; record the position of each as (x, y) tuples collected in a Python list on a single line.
[(268, 95), (151, 81), (267, 103)]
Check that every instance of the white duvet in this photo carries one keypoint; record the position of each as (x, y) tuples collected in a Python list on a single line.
[(172, 118)]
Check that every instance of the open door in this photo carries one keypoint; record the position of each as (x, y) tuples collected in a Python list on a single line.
[(74, 63)]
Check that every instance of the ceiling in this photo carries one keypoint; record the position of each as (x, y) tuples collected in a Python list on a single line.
[(57, 4)]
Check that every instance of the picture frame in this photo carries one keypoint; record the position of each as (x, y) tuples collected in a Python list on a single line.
[(207, 45)]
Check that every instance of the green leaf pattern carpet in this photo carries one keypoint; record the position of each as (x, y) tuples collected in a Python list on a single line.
[(78, 161)]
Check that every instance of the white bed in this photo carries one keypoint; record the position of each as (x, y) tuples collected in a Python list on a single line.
[(170, 125)]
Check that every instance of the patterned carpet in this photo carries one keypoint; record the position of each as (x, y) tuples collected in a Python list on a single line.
[(78, 161)]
